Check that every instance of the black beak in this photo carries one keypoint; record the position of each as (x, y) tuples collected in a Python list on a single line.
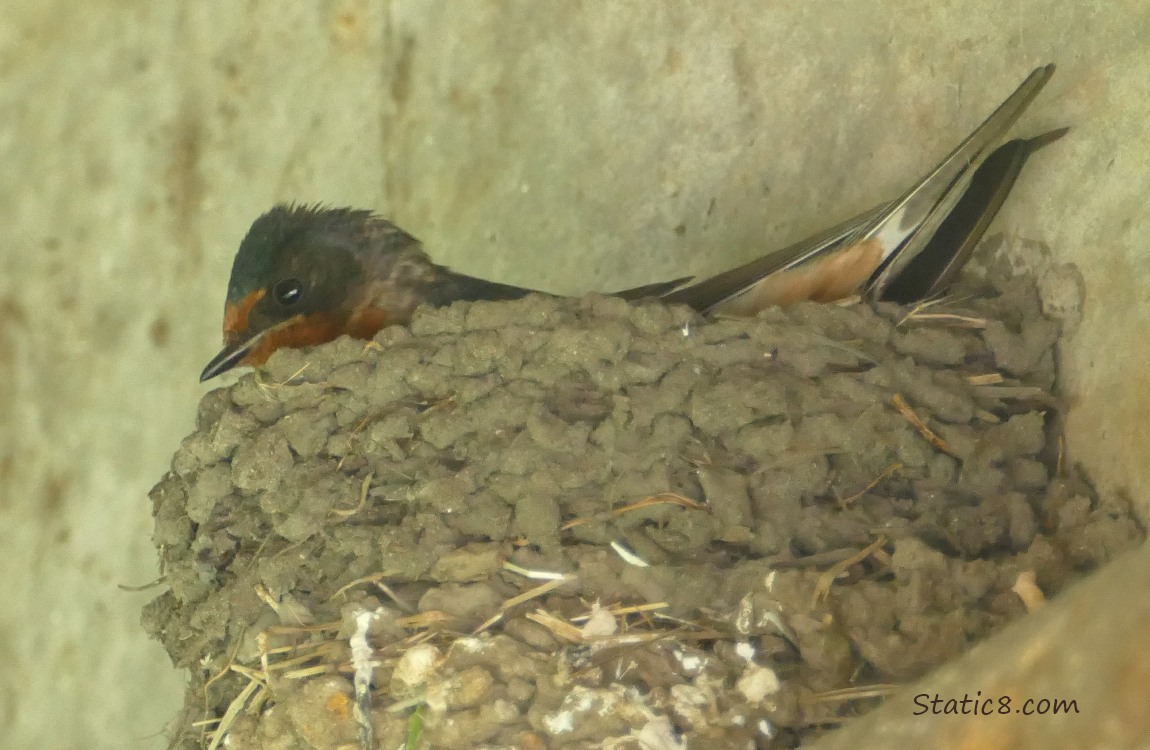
[(229, 357)]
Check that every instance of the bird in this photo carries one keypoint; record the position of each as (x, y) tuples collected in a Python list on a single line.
[(307, 274)]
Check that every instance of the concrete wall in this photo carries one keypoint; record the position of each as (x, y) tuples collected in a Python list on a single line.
[(566, 145)]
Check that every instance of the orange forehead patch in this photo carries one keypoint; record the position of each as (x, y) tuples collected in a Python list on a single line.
[(236, 314)]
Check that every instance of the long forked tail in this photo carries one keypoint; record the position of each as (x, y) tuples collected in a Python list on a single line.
[(908, 249), (932, 269)]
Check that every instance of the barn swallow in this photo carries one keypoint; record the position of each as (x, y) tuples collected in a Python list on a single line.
[(305, 275)]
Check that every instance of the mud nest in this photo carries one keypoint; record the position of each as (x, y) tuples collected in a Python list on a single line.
[(557, 523)]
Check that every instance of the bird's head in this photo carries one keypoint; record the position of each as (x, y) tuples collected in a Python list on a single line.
[(300, 278)]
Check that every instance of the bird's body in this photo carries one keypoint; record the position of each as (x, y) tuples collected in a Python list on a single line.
[(306, 275)]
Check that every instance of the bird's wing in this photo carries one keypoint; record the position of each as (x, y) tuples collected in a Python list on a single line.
[(942, 216)]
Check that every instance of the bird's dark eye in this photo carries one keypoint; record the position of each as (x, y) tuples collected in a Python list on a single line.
[(288, 292)]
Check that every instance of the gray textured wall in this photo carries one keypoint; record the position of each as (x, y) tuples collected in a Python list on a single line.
[(556, 144)]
